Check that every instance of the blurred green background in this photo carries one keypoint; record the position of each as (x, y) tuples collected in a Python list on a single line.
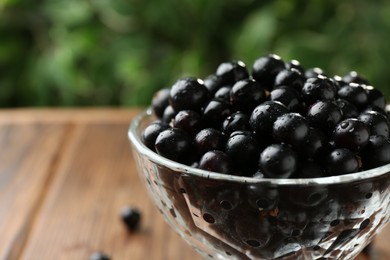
[(117, 53)]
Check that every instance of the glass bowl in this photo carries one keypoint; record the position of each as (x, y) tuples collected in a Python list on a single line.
[(232, 217)]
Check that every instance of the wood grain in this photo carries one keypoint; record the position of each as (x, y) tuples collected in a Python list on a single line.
[(64, 177), (95, 179), (27, 155)]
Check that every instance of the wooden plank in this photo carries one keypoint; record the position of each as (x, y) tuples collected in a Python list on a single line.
[(96, 178), (60, 115), (27, 156)]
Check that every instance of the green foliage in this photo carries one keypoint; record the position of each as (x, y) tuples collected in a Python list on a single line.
[(118, 53)]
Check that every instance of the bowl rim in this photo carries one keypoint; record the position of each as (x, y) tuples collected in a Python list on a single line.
[(138, 145)]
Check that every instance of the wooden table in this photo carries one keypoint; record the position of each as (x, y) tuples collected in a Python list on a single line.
[(64, 177)]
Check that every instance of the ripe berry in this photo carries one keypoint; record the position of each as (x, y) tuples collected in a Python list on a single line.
[(348, 109), (216, 161), (223, 93), (289, 77), (354, 77), (168, 115), (246, 95), (324, 115), (351, 133), (150, 133), (278, 161), (375, 97), (378, 123), (212, 83), (355, 94), (189, 121), (342, 161), (265, 70), (209, 139), (216, 111), (378, 110), (290, 128), (294, 64), (264, 116), (314, 72), (231, 72), (318, 88), (131, 217), (377, 152), (188, 93), (244, 150), (99, 256), (236, 122), (286, 95), (160, 101), (314, 145), (338, 81), (174, 144)]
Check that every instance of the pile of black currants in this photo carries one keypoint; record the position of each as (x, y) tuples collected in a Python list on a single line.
[(279, 121)]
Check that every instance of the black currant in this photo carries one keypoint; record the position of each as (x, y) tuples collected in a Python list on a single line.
[(213, 83), (160, 101), (237, 121), (375, 97), (377, 152), (348, 109), (290, 128), (378, 123), (188, 93), (266, 68), (223, 93), (351, 133), (244, 150), (168, 115), (355, 94), (150, 133), (324, 115), (314, 72), (278, 161), (342, 161), (174, 144), (209, 139), (264, 116), (318, 88), (290, 77), (231, 72), (131, 217), (246, 95), (354, 77), (216, 111), (216, 161), (189, 121), (294, 64), (286, 95), (99, 256), (314, 145)]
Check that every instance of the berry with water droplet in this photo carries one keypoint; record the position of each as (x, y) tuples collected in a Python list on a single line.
[(342, 161), (351, 133), (290, 128), (264, 116), (278, 161), (324, 115), (265, 70)]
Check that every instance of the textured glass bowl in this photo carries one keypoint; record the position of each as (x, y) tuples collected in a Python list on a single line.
[(231, 217)]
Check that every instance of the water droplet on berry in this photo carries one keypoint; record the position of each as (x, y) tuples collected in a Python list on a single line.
[(344, 125)]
